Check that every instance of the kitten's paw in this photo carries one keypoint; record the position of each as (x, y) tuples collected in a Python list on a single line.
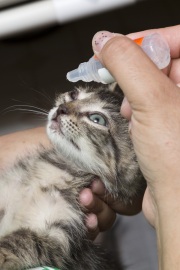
[(8, 261)]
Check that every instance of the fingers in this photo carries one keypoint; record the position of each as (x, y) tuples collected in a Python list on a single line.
[(174, 72), (116, 205), (102, 208), (105, 215), (132, 69), (91, 223), (126, 109), (171, 34), (149, 207)]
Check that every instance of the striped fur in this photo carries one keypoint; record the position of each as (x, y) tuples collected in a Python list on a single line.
[(41, 221)]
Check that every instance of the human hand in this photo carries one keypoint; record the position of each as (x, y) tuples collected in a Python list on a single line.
[(102, 208), (153, 108)]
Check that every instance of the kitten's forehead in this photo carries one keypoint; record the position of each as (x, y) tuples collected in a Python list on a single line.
[(83, 95), (66, 97), (91, 98), (98, 99)]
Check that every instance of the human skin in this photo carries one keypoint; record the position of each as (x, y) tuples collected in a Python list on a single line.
[(153, 108), (88, 196), (19, 144)]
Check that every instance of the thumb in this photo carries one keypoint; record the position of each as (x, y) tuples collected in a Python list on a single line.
[(135, 73)]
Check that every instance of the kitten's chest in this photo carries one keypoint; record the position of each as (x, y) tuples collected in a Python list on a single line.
[(35, 198)]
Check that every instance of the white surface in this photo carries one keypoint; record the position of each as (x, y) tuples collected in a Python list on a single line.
[(25, 17), (42, 13), (67, 10)]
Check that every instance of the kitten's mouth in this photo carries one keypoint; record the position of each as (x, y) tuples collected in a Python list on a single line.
[(56, 123), (55, 126)]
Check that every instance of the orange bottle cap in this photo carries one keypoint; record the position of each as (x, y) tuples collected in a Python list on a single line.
[(139, 41)]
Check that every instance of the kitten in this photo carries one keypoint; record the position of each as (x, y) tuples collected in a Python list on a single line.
[(41, 221)]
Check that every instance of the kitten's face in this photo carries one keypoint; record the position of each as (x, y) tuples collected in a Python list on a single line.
[(86, 127)]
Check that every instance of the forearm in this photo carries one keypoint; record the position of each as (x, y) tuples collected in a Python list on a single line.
[(162, 207), (168, 233), (20, 143)]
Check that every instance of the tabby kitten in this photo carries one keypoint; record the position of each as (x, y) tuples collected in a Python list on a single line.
[(41, 221)]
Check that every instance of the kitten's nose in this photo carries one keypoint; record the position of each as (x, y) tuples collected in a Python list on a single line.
[(62, 109)]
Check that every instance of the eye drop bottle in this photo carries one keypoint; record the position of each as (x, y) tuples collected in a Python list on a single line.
[(153, 45)]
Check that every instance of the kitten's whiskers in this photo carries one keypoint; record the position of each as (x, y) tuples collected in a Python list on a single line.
[(27, 109)]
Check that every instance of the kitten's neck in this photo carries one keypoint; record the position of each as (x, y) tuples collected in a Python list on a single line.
[(87, 170)]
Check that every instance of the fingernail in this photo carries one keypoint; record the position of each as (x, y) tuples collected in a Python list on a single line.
[(124, 106), (100, 39), (92, 222), (125, 109), (85, 197), (124, 103)]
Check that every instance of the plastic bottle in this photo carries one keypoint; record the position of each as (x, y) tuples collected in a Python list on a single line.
[(153, 45)]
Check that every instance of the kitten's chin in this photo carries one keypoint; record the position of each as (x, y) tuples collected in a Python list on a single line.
[(54, 126), (83, 157), (52, 131)]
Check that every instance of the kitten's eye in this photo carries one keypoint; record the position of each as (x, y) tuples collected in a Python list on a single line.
[(98, 119), (73, 94)]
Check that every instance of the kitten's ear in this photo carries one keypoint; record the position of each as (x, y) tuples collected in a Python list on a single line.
[(114, 87)]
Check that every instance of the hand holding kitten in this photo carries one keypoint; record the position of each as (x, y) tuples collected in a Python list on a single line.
[(152, 106), (102, 208)]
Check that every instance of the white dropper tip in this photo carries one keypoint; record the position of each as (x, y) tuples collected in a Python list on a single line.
[(87, 71), (73, 76)]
